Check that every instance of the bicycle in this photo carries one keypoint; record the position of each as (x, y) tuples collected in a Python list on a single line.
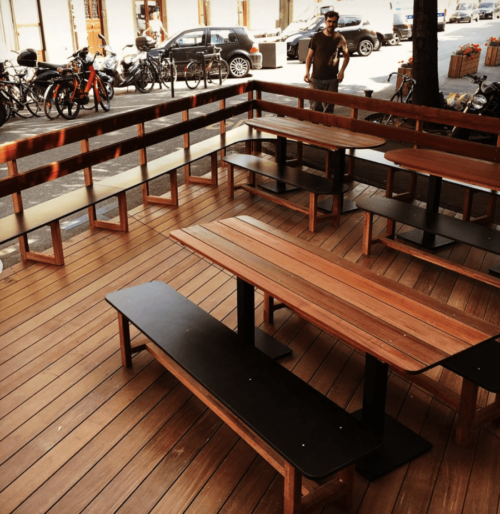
[(216, 68), (17, 95), (71, 92), (403, 94), (154, 69)]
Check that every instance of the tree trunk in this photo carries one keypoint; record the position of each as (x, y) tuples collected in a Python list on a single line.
[(425, 56)]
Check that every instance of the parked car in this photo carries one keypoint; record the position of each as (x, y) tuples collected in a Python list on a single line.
[(356, 30), (402, 30), (239, 48), (489, 10), (466, 11)]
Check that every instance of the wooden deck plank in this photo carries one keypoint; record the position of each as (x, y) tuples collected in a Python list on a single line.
[(78, 433)]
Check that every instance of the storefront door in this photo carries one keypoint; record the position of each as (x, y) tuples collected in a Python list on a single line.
[(93, 16)]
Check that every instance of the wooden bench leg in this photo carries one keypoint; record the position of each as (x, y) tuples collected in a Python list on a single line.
[(466, 413), (389, 186), (230, 181), (367, 233), (122, 226), (268, 308), (336, 209), (313, 207), (469, 195), (174, 194), (292, 494), (56, 258)]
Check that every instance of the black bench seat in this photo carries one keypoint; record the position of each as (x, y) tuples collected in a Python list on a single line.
[(314, 184), (478, 236), (287, 421), (50, 212)]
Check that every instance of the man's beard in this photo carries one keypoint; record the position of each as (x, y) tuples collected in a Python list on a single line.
[(329, 30)]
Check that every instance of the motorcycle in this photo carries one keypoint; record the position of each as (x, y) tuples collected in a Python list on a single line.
[(122, 71), (484, 102)]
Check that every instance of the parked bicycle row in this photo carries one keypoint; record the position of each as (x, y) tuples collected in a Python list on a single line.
[(33, 88)]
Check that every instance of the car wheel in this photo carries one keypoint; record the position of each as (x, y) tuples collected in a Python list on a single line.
[(365, 47), (395, 39), (239, 67)]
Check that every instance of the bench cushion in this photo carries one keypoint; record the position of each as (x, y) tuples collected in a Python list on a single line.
[(472, 234), (293, 176), (310, 431)]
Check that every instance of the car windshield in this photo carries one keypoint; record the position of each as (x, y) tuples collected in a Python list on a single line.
[(313, 23), (169, 40), (464, 7), (486, 5)]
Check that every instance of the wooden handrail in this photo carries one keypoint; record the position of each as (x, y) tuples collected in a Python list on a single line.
[(54, 170), (417, 112), (58, 138)]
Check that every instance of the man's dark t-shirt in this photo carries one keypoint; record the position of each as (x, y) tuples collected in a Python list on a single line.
[(327, 50)]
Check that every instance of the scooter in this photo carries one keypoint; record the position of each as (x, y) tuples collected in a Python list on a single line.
[(484, 102), (123, 71)]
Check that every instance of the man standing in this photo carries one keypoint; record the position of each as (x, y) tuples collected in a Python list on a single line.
[(325, 48)]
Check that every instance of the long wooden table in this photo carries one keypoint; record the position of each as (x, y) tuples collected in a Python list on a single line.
[(392, 324), (333, 139)]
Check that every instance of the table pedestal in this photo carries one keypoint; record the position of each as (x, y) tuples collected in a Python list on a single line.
[(399, 443), (495, 271), (247, 330), (275, 186), (426, 239)]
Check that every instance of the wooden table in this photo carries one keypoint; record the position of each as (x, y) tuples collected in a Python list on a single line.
[(335, 140), (392, 324), (441, 165)]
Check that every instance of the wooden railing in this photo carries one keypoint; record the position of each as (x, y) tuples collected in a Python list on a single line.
[(17, 181)]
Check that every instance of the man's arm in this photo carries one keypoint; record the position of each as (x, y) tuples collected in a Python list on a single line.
[(309, 58), (345, 60)]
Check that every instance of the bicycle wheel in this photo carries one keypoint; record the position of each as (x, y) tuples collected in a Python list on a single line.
[(213, 74), (145, 78), (165, 75), (49, 106), (104, 100), (3, 114), (64, 103), (34, 100), (193, 75), (19, 104), (5, 101)]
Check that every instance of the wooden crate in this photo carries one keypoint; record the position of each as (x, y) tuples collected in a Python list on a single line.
[(404, 71), (492, 56), (460, 65)]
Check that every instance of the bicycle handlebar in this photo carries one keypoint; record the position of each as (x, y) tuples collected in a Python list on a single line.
[(404, 77)]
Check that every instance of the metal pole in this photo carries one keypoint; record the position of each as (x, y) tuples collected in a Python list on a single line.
[(171, 57)]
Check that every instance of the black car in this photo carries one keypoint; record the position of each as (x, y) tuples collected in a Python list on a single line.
[(239, 48), (357, 32), (489, 10), (402, 29)]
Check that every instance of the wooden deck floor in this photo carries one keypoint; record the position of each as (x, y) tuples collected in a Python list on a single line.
[(80, 434)]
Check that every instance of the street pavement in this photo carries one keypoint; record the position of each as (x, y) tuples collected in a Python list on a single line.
[(362, 73)]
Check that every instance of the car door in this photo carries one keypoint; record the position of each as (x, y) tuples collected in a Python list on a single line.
[(350, 28), (226, 39), (187, 44)]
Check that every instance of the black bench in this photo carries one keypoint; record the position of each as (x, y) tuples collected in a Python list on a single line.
[(18, 225), (478, 236), (377, 157), (295, 428), (314, 184)]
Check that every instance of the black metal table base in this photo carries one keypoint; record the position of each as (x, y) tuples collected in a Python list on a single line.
[(495, 271), (347, 205), (277, 187), (399, 445), (270, 346), (429, 241)]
